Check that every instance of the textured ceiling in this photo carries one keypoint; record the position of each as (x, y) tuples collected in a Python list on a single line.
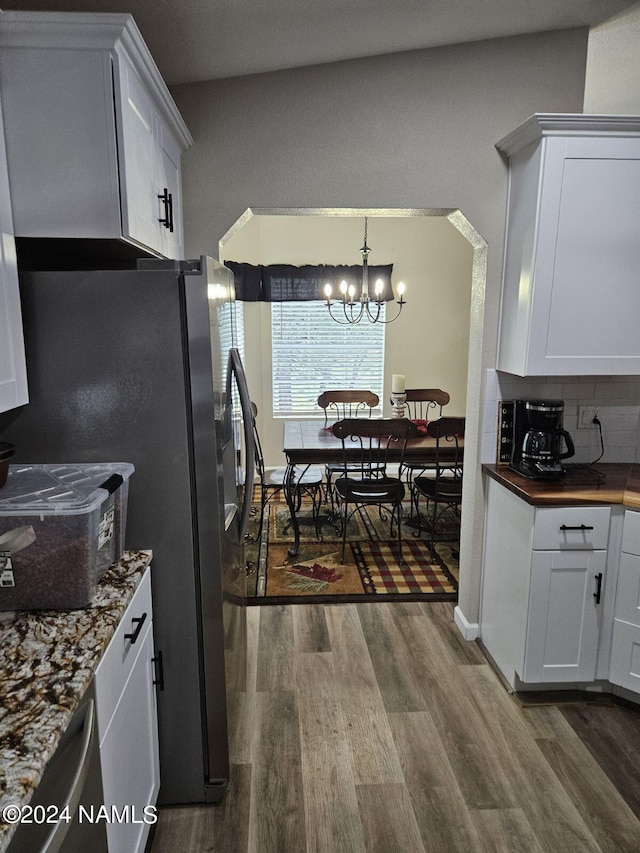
[(206, 39)]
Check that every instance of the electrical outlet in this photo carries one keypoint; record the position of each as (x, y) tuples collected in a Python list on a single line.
[(586, 414)]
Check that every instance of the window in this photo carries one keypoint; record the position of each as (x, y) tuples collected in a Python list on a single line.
[(226, 320), (311, 353)]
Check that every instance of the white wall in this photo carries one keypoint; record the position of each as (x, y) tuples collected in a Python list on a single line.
[(612, 83), (409, 130), (429, 343), (617, 399)]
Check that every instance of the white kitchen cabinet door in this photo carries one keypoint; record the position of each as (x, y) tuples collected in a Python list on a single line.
[(13, 372), (86, 114), (625, 656), (127, 723), (129, 756), (150, 163), (139, 158), (628, 592), (569, 296), (506, 577), (563, 618), (169, 182), (625, 645)]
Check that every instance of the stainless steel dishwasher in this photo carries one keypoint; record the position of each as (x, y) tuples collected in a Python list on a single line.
[(71, 779)]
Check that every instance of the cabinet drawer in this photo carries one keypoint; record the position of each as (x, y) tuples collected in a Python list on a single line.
[(631, 532), (571, 528), (114, 668)]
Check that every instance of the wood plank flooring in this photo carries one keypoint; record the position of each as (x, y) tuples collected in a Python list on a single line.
[(375, 728)]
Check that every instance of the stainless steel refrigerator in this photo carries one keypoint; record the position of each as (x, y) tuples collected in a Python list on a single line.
[(141, 366)]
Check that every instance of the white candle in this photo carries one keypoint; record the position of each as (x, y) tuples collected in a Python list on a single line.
[(397, 383)]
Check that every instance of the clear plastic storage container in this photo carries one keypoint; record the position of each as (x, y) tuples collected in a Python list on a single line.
[(61, 527)]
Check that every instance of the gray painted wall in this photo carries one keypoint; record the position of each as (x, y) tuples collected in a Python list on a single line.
[(410, 130), (613, 65)]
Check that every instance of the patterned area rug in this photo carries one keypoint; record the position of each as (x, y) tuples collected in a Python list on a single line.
[(370, 569)]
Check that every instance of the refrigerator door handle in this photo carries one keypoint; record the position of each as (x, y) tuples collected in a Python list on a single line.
[(247, 497), (237, 370)]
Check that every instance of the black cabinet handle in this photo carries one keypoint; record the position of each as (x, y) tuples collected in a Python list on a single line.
[(170, 215), (139, 620), (167, 199), (576, 527), (596, 594), (159, 669)]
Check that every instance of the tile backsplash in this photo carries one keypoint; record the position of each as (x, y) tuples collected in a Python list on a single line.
[(616, 399)]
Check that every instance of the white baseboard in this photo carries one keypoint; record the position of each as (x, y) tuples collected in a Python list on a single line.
[(469, 630)]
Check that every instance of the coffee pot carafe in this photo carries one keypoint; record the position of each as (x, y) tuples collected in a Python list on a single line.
[(538, 439)]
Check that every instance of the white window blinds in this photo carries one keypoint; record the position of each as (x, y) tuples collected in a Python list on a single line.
[(312, 353), (239, 308)]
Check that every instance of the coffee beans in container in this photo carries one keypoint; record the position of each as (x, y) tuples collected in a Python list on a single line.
[(61, 527)]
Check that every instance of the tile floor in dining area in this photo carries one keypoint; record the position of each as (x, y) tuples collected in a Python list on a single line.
[(376, 727)]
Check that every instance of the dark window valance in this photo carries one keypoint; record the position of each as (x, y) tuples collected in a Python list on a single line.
[(288, 283), (248, 280)]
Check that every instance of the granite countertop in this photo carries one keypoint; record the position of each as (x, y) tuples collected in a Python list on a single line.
[(47, 661), (608, 483)]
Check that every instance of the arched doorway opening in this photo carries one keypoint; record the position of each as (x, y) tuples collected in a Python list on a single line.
[(475, 282)]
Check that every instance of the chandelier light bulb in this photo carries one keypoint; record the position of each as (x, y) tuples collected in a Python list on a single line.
[(327, 290), (378, 288), (351, 292), (401, 289), (343, 287)]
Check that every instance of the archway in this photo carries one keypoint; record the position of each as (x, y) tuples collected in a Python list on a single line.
[(472, 506)]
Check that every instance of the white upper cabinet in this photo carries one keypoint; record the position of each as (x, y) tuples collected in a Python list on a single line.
[(570, 295), (89, 122), (13, 373)]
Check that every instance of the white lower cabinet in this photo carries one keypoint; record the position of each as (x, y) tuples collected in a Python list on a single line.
[(625, 646), (127, 726), (563, 618), (543, 588)]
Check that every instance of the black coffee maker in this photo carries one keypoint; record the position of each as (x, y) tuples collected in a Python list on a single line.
[(538, 437)]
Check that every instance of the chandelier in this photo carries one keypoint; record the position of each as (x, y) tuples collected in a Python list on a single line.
[(367, 307)]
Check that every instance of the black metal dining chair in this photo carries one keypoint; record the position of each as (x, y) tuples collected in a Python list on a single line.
[(338, 405), (442, 489), (423, 405), (364, 479), (306, 482)]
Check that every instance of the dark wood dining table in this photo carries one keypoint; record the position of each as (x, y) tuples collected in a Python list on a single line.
[(312, 443)]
